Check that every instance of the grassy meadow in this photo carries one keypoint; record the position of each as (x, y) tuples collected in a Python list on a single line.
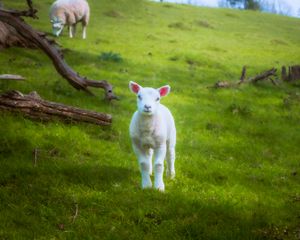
[(238, 162)]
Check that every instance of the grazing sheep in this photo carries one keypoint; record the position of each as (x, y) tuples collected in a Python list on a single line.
[(152, 130), (69, 12)]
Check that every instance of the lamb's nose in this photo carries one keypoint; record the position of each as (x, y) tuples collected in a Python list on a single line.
[(147, 107)]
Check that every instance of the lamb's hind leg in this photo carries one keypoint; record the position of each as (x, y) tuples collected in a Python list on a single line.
[(171, 162), (71, 31)]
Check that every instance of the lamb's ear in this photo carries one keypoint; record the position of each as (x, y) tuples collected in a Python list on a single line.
[(134, 87), (51, 21), (164, 91)]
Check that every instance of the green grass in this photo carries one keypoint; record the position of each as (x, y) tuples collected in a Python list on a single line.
[(238, 163)]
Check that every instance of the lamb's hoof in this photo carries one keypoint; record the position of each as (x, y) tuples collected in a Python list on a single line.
[(146, 184), (160, 187), (171, 174)]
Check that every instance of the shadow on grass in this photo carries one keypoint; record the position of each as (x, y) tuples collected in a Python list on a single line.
[(106, 194), (97, 177), (152, 215)]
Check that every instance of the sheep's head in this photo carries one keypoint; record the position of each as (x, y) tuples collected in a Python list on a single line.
[(148, 99), (57, 26)]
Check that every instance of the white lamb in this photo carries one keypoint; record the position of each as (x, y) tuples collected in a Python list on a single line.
[(152, 129), (69, 12)]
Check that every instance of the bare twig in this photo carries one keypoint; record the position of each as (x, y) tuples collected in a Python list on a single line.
[(243, 76), (274, 81)]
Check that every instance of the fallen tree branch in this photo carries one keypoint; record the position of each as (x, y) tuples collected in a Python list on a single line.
[(11, 77), (262, 76), (28, 34), (33, 106), (9, 37)]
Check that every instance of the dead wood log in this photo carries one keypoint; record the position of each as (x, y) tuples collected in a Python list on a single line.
[(293, 73), (38, 39), (11, 77), (33, 106), (284, 75), (9, 37)]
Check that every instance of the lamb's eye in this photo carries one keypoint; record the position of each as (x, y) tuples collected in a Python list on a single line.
[(139, 97), (157, 99)]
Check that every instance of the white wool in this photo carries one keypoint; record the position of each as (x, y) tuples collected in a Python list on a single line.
[(69, 12), (152, 130)]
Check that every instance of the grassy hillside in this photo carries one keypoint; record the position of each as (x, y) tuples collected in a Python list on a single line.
[(238, 163)]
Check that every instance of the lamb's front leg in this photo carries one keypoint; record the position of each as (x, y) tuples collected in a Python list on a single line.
[(144, 158), (150, 162), (160, 154)]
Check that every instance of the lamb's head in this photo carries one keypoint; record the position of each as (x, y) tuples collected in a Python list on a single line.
[(148, 99), (57, 26)]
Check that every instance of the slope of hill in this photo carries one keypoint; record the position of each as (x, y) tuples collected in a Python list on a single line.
[(238, 149)]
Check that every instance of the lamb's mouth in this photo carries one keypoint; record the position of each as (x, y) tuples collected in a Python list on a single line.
[(147, 111)]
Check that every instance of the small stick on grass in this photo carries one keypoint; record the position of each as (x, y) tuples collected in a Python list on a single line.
[(11, 77), (35, 152), (75, 214), (273, 81)]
